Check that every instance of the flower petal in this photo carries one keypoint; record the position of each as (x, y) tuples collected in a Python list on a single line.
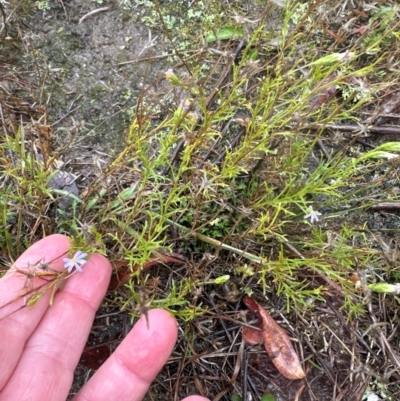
[(78, 268), (78, 254), (68, 262)]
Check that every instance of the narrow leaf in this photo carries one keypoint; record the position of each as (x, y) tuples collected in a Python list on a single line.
[(225, 34)]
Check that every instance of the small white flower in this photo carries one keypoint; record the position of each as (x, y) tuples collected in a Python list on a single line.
[(77, 261), (397, 288), (313, 215), (373, 397)]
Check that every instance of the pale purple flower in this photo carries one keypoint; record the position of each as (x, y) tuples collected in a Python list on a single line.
[(313, 215), (397, 288), (77, 261)]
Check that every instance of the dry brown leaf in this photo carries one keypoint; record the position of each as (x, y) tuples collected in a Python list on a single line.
[(253, 336), (277, 343)]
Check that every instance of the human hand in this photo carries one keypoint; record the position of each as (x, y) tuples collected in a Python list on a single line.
[(41, 346)]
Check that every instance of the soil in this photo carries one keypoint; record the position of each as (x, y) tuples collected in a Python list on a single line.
[(90, 78)]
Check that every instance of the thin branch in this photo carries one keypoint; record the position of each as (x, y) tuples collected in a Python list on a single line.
[(97, 10)]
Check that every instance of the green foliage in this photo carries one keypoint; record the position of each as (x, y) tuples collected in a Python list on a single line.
[(251, 201), (225, 33), (267, 397), (43, 5)]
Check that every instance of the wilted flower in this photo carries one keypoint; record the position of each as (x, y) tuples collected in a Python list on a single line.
[(171, 77), (185, 104), (385, 288), (313, 215), (77, 261), (335, 58)]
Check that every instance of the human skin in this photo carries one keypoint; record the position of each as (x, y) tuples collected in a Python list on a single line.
[(40, 347)]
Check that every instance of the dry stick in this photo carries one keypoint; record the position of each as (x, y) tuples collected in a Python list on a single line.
[(3, 14), (138, 60), (70, 110), (385, 205), (225, 73), (211, 97), (31, 293), (219, 244), (384, 130), (166, 32), (239, 359), (317, 355), (383, 340), (65, 11), (350, 331), (323, 149), (40, 270), (224, 130), (232, 145), (356, 391), (92, 12), (218, 312), (245, 363), (227, 124)]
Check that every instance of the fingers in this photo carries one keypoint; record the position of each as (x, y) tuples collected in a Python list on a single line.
[(195, 398), (127, 374), (45, 370), (51, 352), (16, 328)]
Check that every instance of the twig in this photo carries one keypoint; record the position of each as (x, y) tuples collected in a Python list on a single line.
[(3, 14), (70, 111), (323, 148), (218, 313), (210, 100), (224, 130), (232, 145), (220, 244), (385, 205), (225, 73), (384, 129), (97, 10), (350, 331), (138, 60)]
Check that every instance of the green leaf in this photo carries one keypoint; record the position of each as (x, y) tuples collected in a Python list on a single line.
[(335, 58), (225, 34), (267, 397), (253, 54), (125, 195), (222, 279)]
